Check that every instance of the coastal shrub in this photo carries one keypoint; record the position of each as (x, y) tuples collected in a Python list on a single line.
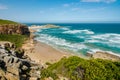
[(47, 63), (16, 39), (76, 68), (7, 22)]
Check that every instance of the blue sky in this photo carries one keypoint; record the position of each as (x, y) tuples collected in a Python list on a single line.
[(60, 10)]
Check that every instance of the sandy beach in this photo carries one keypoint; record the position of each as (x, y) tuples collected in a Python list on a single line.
[(42, 53)]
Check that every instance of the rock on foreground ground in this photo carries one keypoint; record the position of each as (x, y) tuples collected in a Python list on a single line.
[(15, 66)]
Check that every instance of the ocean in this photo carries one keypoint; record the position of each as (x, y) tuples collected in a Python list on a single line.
[(80, 38)]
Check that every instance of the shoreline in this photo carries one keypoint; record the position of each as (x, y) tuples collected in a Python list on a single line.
[(42, 53)]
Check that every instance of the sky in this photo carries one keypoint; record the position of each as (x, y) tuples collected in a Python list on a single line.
[(60, 11)]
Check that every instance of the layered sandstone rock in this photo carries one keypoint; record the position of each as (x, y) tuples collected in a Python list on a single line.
[(13, 67), (14, 29)]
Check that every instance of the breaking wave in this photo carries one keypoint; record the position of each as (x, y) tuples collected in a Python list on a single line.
[(51, 40), (85, 31), (69, 39), (110, 39), (65, 28)]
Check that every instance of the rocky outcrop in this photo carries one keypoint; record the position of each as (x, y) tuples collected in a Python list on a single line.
[(34, 27), (104, 55), (14, 29), (13, 67)]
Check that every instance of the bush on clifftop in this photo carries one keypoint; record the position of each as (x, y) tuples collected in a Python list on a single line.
[(75, 68), (18, 40), (16, 34), (7, 22)]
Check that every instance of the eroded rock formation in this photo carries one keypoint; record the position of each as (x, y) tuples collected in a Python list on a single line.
[(14, 29), (13, 67)]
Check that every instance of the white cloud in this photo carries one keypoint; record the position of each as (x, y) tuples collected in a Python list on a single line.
[(90, 0), (66, 5), (94, 9), (106, 1), (75, 9), (88, 10), (3, 7)]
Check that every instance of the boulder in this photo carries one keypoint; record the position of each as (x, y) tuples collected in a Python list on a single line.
[(14, 67), (34, 78), (2, 75), (89, 54), (19, 53), (10, 76)]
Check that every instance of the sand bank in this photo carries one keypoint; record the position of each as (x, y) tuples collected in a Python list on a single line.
[(104, 55), (34, 27), (42, 53)]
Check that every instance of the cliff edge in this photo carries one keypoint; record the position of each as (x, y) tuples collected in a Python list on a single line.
[(10, 27)]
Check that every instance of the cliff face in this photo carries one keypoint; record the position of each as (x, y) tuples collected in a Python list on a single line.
[(14, 29)]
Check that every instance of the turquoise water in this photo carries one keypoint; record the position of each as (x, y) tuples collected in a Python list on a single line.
[(80, 38)]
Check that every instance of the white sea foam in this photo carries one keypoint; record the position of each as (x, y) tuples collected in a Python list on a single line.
[(92, 41), (110, 39), (65, 28), (114, 38), (60, 42), (85, 31), (110, 52), (38, 30), (95, 50)]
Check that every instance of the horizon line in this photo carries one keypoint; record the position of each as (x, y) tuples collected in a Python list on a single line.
[(65, 22)]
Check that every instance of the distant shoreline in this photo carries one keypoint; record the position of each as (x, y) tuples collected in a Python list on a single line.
[(55, 53), (43, 26), (41, 52)]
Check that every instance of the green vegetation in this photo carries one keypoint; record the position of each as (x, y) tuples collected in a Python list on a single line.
[(16, 39), (7, 22), (75, 68)]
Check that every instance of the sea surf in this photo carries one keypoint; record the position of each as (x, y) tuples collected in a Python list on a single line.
[(80, 38)]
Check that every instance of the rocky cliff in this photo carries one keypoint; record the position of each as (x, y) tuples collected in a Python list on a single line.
[(14, 65), (104, 55), (14, 29)]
